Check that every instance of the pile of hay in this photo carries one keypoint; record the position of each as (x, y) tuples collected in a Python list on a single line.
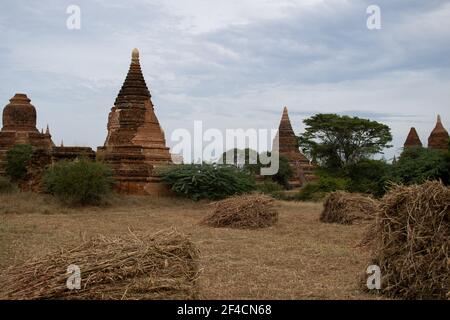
[(347, 208), (243, 212), (159, 266), (411, 241)]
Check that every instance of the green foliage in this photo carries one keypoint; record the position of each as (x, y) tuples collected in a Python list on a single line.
[(417, 165), (270, 188), (6, 186), (338, 141), (16, 161), (318, 189), (369, 176), (285, 172), (239, 157), (207, 181), (80, 182), (250, 160)]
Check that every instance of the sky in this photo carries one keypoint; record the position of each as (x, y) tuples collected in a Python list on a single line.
[(230, 63)]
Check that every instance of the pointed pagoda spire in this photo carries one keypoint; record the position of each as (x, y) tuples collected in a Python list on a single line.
[(394, 160), (438, 138), (413, 139), (47, 131), (62, 143), (286, 144), (286, 141), (134, 88), (285, 123)]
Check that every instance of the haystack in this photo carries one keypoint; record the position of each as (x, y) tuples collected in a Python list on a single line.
[(347, 208), (159, 266), (243, 212), (410, 241)]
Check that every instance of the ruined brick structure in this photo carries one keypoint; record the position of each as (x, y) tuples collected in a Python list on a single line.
[(286, 144), (438, 139), (413, 139), (19, 127), (135, 143)]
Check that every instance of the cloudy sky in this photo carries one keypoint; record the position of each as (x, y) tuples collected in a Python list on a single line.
[(230, 63)]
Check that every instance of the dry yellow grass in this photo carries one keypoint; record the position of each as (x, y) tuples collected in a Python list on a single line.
[(299, 258)]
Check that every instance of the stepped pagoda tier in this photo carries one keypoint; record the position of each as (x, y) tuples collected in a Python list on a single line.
[(413, 140), (438, 138), (19, 127), (286, 144), (135, 142)]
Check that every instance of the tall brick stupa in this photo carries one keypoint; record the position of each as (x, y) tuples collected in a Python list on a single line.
[(412, 140), (286, 144), (135, 143), (438, 138)]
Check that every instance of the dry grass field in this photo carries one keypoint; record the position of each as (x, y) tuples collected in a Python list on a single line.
[(299, 258)]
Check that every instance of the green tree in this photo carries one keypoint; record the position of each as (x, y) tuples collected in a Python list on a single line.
[(369, 176), (417, 165), (239, 157), (250, 160), (336, 141), (17, 160)]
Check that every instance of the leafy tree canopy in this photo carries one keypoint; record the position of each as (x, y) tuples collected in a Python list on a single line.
[(250, 160), (417, 165), (336, 141)]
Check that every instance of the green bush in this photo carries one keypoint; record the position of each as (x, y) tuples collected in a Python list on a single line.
[(6, 186), (417, 165), (270, 188), (283, 175), (16, 161), (80, 182), (318, 189), (207, 181), (369, 176)]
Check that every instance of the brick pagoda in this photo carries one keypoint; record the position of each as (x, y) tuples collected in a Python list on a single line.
[(288, 147), (135, 143), (438, 138), (413, 140)]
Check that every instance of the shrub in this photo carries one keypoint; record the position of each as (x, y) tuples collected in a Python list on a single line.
[(16, 161), (207, 181), (80, 182), (325, 184), (416, 165), (283, 175), (369, 176), (6, 186), (270, 188)]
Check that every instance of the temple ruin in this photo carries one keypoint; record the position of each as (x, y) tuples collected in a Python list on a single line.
[(413, 139), (135, 144), (19, 127), (438, 139), (286, 144)]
